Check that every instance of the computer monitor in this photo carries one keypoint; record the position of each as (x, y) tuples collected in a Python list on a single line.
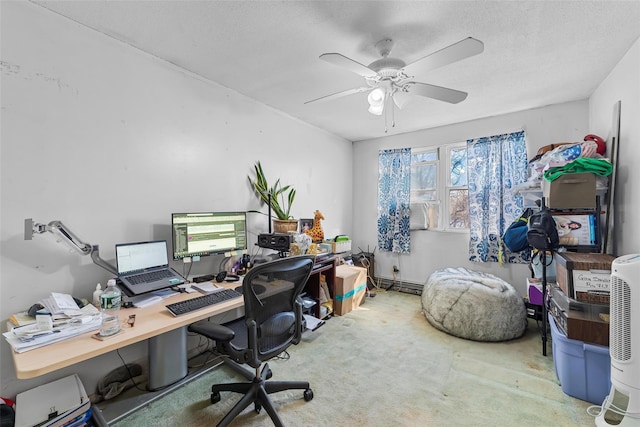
[(208, 233)]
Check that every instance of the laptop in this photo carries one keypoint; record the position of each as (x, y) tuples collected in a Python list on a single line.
[(144, 267)]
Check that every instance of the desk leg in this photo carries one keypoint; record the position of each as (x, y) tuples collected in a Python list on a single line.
[(167, 358)]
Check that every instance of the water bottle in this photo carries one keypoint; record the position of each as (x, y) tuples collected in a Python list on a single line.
[(110, 305)]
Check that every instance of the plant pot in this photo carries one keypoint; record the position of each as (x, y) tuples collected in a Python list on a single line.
[(285, 225)]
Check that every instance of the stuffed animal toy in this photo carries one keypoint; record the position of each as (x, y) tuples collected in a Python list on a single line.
[(315, 232)]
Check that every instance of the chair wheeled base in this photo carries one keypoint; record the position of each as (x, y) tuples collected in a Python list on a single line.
[(257, 392)]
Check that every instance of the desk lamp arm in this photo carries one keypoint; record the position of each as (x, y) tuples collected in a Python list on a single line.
[(63, 234)]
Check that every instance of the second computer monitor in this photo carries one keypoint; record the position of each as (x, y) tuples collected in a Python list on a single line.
[(208, 233)]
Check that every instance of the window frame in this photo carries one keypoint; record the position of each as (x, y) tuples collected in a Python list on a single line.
[(443, 184), (448, 186)]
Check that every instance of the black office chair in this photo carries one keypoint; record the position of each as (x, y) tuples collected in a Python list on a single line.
[(273, 321)]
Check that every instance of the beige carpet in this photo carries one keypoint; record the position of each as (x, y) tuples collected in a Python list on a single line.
[(385, 365)]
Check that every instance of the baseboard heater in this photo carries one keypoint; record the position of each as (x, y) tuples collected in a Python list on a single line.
[(400, 286)]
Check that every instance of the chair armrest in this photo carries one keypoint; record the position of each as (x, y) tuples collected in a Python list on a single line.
[(212, 331)]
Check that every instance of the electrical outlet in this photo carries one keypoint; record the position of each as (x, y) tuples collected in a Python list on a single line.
[(395, 269)]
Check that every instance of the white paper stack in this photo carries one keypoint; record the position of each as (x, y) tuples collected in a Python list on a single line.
[(24, 338), (58, 303), (207, 287)]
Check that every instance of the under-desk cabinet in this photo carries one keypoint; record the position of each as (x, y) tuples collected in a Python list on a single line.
[(327, 268)]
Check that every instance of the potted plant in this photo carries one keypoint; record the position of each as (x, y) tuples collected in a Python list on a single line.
[(278, 197)]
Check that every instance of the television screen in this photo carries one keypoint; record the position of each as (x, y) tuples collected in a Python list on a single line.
[(208, 233)]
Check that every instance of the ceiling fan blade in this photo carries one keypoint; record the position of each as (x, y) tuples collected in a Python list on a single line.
[(456, 52), (401, 99), (341, 94), (349, 64), (436, 92)]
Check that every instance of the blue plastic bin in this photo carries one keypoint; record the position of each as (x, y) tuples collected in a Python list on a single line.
[(584, 369)]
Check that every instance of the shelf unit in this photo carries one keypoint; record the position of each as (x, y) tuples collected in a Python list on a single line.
[(326, 267), (594, 247)]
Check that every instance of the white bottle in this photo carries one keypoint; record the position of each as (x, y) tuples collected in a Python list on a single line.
[(110, 305), (96, 296)]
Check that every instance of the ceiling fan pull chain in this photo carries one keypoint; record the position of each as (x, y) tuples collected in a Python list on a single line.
[(385, 110), (393, 111)]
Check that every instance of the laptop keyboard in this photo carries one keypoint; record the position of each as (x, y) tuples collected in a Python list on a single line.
[(151, 276), (197, 303)]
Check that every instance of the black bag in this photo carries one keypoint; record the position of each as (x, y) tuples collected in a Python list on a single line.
[(542, 232), (515, 237)]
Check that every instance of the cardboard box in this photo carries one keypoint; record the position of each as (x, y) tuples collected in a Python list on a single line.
[(584, 276), (570, 191), (350, 288)]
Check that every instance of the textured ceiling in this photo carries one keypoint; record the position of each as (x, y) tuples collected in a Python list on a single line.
[(536, 52)]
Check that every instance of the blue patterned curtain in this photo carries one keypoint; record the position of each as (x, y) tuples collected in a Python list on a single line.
[(394, 187), (496, 164)]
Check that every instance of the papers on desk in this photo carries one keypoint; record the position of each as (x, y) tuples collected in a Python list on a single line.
[(151, 298), (21, 319), (207, 287), (61, 402), (64, 325), (57, 303)]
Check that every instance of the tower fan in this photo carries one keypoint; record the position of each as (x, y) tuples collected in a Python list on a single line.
[(622, 406)]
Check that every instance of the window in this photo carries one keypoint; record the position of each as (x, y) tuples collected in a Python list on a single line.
[(439, 180), (456, 187)]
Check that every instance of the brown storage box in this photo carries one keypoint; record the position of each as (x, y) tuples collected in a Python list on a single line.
[(584, 276), (579, 325), (350, 288), (570, 191)]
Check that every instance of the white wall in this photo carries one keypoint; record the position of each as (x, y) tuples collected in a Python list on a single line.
[(622, 84), (111, 141), (431, 250)]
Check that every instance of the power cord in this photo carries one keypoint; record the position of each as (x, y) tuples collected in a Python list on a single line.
[(283, 356), (131, 377), (186, 274), (364, 261), (608, 404)]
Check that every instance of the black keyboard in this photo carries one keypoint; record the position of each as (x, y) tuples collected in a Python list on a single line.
[(197, 303), (151, 276)]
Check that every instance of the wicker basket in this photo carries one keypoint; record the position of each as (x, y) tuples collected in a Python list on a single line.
[(339, 247), (285, 225)]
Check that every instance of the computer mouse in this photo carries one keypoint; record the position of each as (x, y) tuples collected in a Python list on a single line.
[(33, 310)]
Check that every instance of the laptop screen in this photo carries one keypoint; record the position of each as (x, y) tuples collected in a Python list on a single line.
[(131, 257)]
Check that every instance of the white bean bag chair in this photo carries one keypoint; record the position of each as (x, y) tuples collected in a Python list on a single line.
[(473, 305)]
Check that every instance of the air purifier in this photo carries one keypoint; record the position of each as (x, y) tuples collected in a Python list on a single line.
[(622, 406)]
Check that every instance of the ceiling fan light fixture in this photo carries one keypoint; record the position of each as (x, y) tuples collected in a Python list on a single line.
[(377, 109), (376, 96), (376, 101)]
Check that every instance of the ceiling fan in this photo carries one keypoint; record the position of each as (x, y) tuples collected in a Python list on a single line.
[(392, 79)]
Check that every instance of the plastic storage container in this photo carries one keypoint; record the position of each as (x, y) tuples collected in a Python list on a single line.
[(584, 370)]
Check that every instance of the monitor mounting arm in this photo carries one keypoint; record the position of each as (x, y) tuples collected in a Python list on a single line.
[(63, 234)]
